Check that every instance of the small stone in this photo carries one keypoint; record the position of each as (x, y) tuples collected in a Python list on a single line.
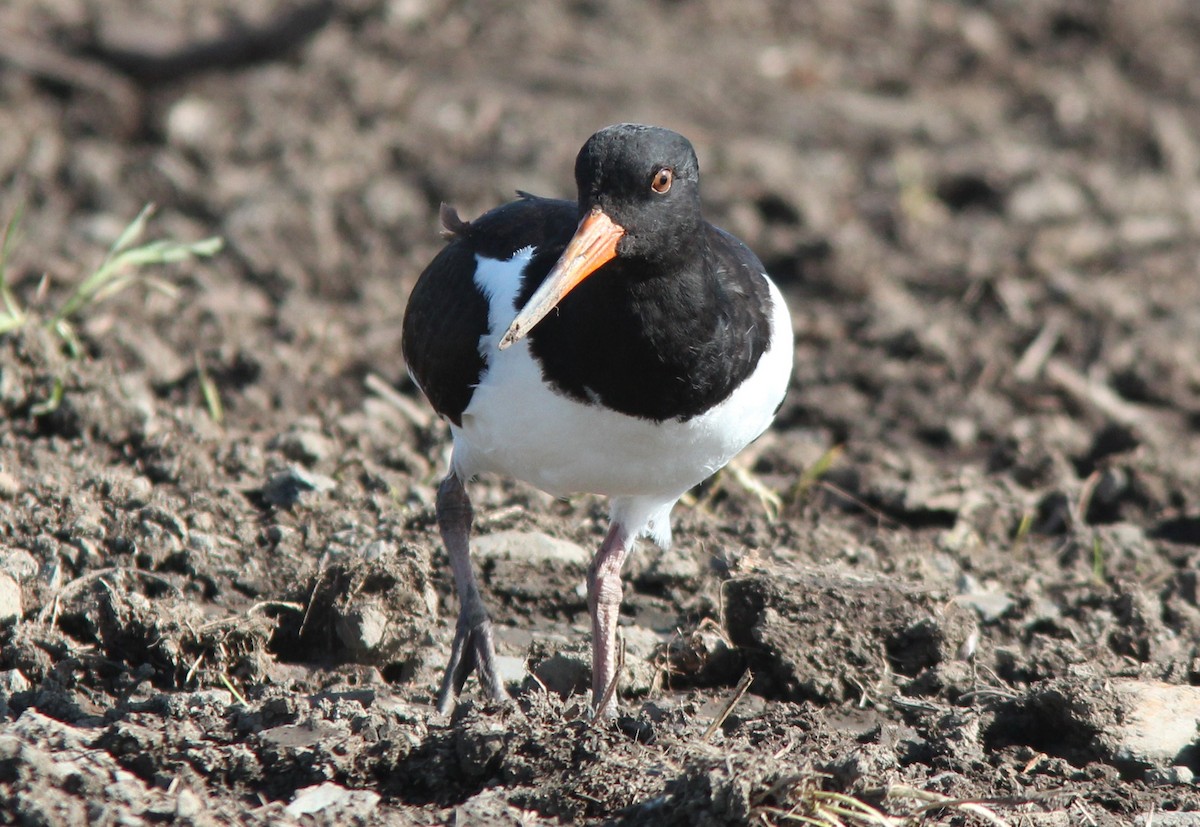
[(19, 563), (1157, 727), (308, 447), (491, 806), (351, 805), (989, 605), (642, 646), (1046, 199), (1164, 777), (363, 630), (287, 487), (10, 486), (13, 682), (1075, 244), (391, 200), (564, 674), (671, 568), (187, 804), (200, 542), (139, 492), (528, 547), (1143, 231), (192, 121), (10, 598), (1043, 610), (183, 704), (511, 669), (1161, 818), (378, 550)]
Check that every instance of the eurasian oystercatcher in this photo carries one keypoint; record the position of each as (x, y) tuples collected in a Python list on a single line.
[(618, 345)]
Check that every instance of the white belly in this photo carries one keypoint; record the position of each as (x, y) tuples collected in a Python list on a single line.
[(517, 425)]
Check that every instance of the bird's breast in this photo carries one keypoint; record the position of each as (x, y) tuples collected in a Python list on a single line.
[(524, 423)]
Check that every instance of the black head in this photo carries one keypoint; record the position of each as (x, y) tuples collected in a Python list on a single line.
[(646, 179), (639, 201)]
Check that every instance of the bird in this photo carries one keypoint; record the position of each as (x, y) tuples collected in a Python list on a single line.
[(617, 344)]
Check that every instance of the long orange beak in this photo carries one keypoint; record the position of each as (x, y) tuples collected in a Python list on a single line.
[(593, 245)]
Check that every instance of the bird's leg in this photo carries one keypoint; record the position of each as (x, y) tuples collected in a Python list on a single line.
[(473, 648), (604, 589)]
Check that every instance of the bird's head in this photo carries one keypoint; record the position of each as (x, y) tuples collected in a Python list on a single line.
[(639, 198)]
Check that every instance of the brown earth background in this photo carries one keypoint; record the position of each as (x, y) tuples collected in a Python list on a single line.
[(973, 598)]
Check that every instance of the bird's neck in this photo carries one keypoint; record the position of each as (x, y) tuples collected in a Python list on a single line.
[(682, 301), (647, 340)]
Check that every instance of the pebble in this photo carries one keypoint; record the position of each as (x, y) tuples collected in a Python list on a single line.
[(511, 669), (1161, 818), (1144, 231), (139, 492), (19, 563), (10, 486), (989, 605), (187, 804), (1046, 199), (491, 806), (364, 630), (565, 674), (12, 682), (1075, 244), (641, 649), (1157, 724), (10, 598), (532, 547), (182, 704), (391, 200), (305, 446), (192, 121), (201, 542), (379, 550), (1159, 777), (352, 805), (671, 568), (287, 487)]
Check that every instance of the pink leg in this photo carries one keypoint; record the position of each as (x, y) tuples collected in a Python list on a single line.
[(473, 649), (604, 602)]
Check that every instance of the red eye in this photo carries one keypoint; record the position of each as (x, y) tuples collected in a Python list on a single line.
[(661, 182)]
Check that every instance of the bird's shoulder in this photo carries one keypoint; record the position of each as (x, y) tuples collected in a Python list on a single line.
[(446, 311), (735, 263), (527, 221)]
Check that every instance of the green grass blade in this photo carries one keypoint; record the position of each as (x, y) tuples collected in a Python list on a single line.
[(118, 269), (133, 232), (212, 396), (52, 404), (16, 315), (813, 474)]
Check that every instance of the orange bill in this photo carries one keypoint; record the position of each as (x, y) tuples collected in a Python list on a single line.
[(593, 245)]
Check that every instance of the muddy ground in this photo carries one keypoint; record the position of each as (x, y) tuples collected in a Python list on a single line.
[(975, 600)]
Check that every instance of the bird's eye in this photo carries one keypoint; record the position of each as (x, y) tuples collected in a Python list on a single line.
[(661, 182)]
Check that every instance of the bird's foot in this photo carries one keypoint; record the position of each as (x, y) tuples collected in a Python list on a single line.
[(472, 651)]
